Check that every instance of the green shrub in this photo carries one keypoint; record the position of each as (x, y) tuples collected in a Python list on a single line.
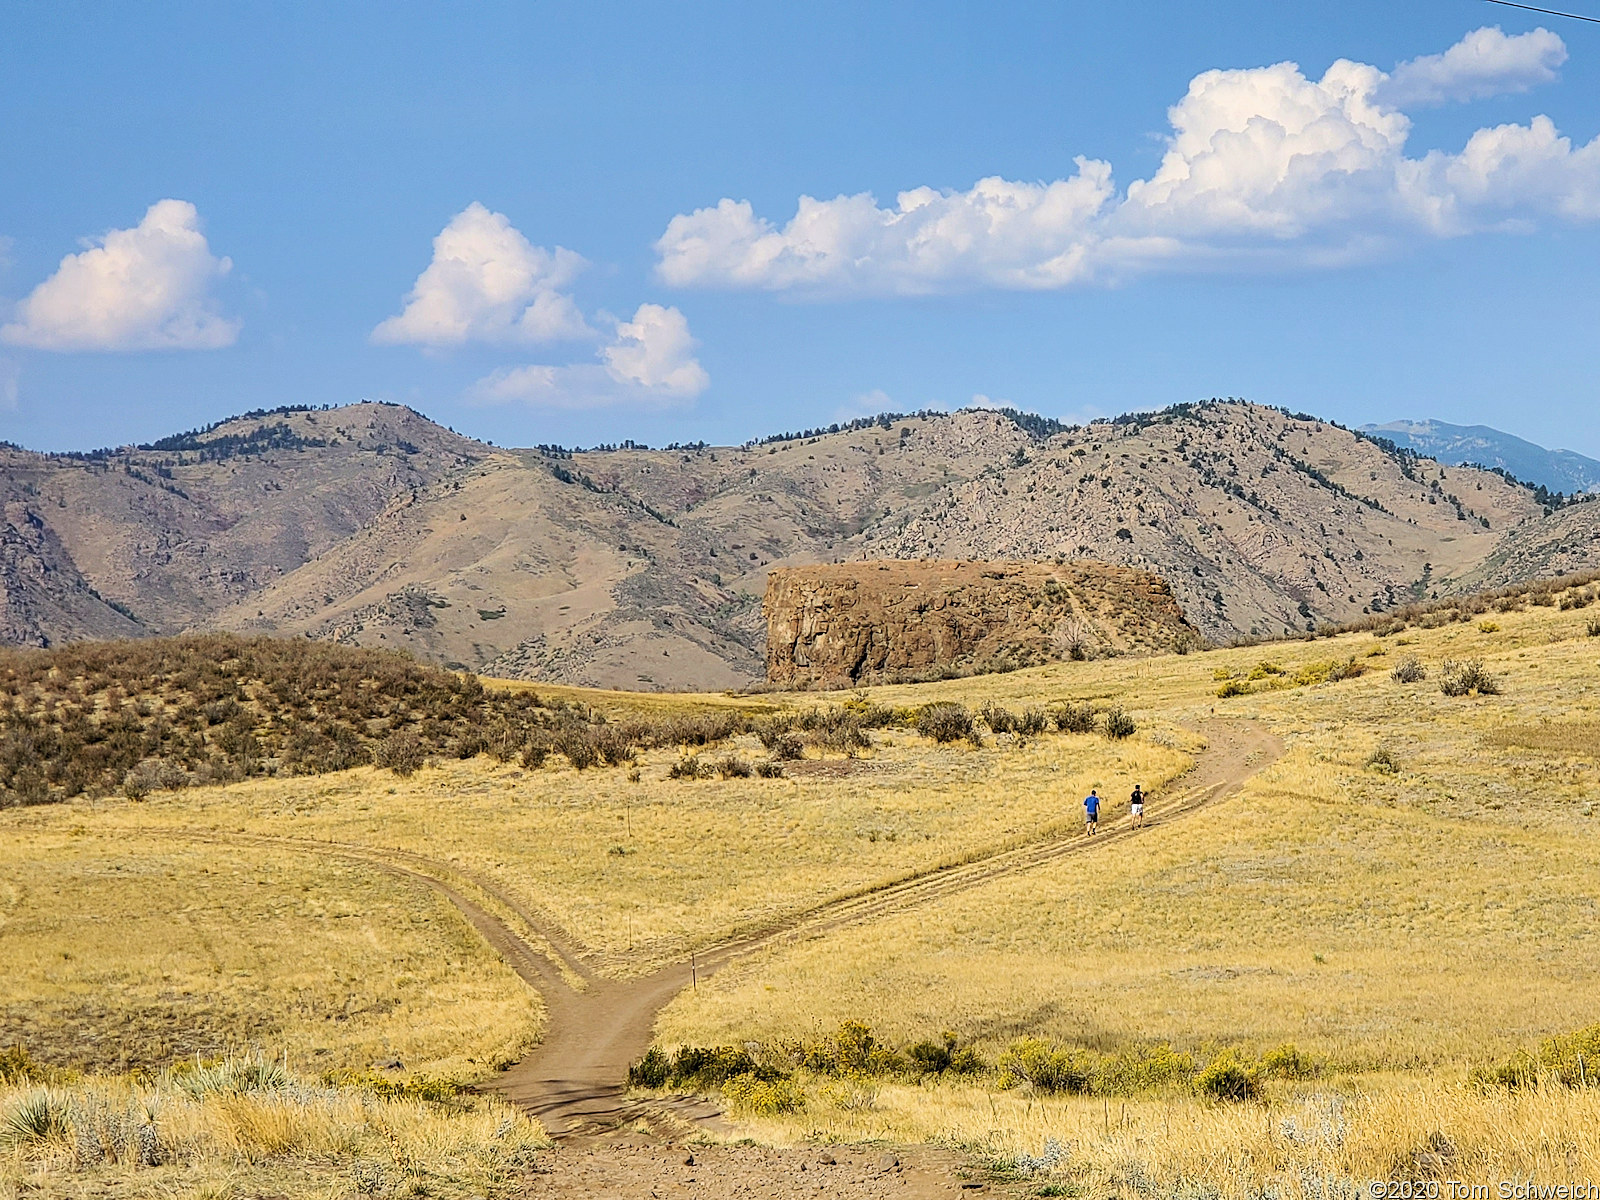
[(231, 1076), (1226, 1078), (1233, 687), (401, 752), (17, 1066), (1382, 761), (1119, 724), (733, 767), (787, 747), (1043, 1067), (749, 1095), (998, 718), (1142, 1069), (1075, 718), (1573, 1058), (688, 767), (947, 1054), (411, 1087), (1410, 670), (1288, 1062), (35, 1117), (1464, 678), (1518, 1071), (945, 721)]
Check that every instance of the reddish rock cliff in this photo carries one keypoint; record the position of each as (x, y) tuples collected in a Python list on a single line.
[(852, 622)]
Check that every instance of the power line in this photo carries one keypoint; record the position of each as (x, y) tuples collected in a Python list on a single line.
[(1548, 11)]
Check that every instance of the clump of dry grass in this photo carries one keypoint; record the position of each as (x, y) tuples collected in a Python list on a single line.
[(161, 1136)]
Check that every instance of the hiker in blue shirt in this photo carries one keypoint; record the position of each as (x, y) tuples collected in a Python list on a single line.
[(1091, 809)]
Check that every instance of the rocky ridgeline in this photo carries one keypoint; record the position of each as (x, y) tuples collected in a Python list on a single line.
[(853, 622)]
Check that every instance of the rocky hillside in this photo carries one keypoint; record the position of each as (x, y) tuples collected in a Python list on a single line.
[(370, 525), (859, 622)]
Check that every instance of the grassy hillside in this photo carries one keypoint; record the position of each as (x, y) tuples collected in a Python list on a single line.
[(1406, 896)]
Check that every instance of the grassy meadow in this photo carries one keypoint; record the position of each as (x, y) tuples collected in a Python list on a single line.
[(1409, 892)]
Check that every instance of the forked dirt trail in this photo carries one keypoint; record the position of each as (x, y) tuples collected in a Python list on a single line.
[(575, 1081)]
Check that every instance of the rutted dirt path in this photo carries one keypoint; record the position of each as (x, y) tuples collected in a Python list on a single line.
[(574, 1082)]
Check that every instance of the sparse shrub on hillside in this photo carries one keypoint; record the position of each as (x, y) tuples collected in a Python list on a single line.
[(1577, 598), (770, 769), (1233, 687), (218, 708), (835, 729), (1409, 670), (696, 729), (688, 767), (1382, 761), (1033, 722), (1227, 1078), (578, 746), (871, 715), (1119, 724), (998, 718), (1075, 718), (945, 721), (401, 752), (17, 1066), (787, 747), (1288, 1062), (1265, 669), (1592, 628), (947, 1054), (1464, 678), (733, 767), (35, 1118), (775, 728), (1046, 1069), (749, 1096), (534, 754), (1569, 1059), (1488, 627)]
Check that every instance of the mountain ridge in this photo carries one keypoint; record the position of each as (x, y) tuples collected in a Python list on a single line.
[(370, 525)]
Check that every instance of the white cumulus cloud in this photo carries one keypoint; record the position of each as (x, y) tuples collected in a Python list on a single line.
[(488, 283), (1486, 62), (145, 288), (649, 362), (1263, 166), (999, 233)]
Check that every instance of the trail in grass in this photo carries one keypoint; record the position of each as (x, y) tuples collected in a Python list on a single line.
[(575, 1081)]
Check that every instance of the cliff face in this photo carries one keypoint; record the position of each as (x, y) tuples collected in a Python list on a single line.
[(853, 622)]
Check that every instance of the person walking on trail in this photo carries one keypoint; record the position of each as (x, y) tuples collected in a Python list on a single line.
[(1136, 806), (1091, 810)]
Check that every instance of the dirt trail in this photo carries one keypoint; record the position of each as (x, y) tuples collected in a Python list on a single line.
[(574, 1082)]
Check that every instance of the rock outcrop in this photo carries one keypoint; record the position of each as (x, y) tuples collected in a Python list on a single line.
[(854, 622)]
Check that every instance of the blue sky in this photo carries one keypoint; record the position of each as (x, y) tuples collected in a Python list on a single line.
[(572, 223)]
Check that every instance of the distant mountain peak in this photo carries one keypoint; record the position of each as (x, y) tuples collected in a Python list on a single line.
[(1455, 445)]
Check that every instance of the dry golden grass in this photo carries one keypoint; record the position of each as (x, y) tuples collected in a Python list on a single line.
[(124, 950), (663, 864), (1432, 916), (127, 1139), (1400, 923), (1305, 1142)]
